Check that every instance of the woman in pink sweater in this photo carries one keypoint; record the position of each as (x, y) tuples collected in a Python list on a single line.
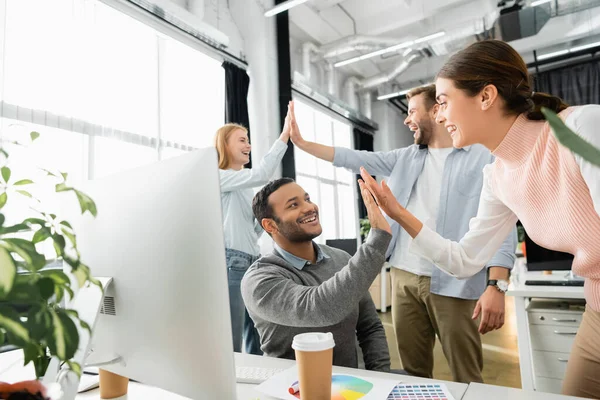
[(485, 97)]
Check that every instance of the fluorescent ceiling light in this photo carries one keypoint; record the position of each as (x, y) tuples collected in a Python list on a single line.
[(567, 51), (283, 7), (553, 54), (395, 94), (583, 47), (539, 2), (401, 92), (389, 49)]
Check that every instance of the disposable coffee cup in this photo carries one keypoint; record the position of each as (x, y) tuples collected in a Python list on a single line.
[(112, 385), (314, 356)]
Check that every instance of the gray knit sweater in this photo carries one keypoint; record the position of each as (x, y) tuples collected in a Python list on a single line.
[(329, 296)]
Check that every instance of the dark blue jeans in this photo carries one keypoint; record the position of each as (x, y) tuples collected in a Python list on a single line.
[(242, 325)]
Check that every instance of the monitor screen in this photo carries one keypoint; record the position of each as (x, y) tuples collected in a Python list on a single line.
[(348, 245), (542, 259)]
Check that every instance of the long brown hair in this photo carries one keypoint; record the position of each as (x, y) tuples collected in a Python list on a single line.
[(221, 138), (493, 62)]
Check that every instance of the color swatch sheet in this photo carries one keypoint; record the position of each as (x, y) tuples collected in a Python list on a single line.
[(343, 386), (420, 391)]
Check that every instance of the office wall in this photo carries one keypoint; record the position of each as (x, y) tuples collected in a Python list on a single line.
[(392, 133)]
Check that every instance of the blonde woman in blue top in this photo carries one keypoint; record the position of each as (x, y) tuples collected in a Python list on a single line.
[(240, 227)]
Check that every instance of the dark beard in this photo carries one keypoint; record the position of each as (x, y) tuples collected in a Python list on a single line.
[(293, 233), (425, 129)]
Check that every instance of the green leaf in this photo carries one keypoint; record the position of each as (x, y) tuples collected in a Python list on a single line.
[(8, 271), (41, 364), (5, 173), (62, 187), (14, 228), (27, 251), (34, 135), (3, 199), (38, 322), (25, 193), (41, 235), (71, 238), (4, 153), (2, 219), (75, 367), (36, 221), (86, 203), (59, 244), (64, 339), (3, 337), (58, 276), (64, 175), (31, 352), (50, 173), (24, 290), (85, 326), (65, 223), (11, 323), (23, 182), (56, 337), (46, 287), (570, 139)]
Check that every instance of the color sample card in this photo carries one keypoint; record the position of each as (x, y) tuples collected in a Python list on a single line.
[(346, 387), (405, 391)]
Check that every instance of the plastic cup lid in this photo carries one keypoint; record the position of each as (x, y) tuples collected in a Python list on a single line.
[(314, 341)]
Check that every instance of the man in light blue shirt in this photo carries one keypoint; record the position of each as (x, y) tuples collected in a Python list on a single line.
[(440, 185)]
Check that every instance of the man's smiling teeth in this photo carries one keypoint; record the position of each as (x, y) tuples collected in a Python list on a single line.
[(451, 129), (312, 218)]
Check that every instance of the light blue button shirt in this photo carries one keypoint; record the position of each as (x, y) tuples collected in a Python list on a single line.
[(297, 262), (462, 182)]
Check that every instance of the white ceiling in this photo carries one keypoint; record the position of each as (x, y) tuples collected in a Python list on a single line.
[(325, 21)]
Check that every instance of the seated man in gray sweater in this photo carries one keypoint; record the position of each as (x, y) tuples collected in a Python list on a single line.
[(305, 287)]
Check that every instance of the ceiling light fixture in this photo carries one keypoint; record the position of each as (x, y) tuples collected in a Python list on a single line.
[(389, 49), (401, 92), (567, 51), (283, 7), (539, 2)]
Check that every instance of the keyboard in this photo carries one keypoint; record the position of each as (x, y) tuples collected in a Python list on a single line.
[(88, 382), (564, 282), (254, 375)]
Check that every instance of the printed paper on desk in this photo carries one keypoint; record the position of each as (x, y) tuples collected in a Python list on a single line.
[(343, 386)]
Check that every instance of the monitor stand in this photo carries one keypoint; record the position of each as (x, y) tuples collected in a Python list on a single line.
[(87, 303)]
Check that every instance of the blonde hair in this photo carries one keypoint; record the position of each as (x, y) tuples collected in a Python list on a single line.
[(221, 138)]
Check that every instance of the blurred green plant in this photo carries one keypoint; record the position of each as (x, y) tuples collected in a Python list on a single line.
[(32, 317)]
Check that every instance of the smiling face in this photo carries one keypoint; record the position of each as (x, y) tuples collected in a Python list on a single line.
[(238, 147), (419, 120), (296, 218), (462, 115)]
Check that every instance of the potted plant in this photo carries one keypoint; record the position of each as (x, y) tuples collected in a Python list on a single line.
[(32, 315), (365, 227)]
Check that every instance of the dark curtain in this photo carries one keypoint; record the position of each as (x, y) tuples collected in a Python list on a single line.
[(362, 141), (237, 82), (576, 84)]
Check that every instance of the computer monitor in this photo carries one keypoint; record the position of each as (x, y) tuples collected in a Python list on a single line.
[(542, 259), (159, 235), (348, 245)]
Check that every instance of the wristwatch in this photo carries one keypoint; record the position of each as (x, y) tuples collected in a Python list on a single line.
[(499, 284)]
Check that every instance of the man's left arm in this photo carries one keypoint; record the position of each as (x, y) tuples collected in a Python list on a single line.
[(371, 337), (491, 305)]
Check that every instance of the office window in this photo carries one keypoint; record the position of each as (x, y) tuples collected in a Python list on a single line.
[(106, 91), (332, 189)]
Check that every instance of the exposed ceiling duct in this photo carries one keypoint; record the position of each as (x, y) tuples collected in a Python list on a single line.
[(352, 43), (364, 87)]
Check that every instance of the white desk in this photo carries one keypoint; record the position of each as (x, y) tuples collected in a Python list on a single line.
[(15, 372), (523, 294), (478, 391)]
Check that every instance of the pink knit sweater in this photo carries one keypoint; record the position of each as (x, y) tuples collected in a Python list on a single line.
[(541, 182)]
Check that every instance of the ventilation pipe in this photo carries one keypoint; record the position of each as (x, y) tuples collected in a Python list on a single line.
[(308, 49), (355, 43), (331, 78), (366, 100), (351, 87), (410, 57)]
